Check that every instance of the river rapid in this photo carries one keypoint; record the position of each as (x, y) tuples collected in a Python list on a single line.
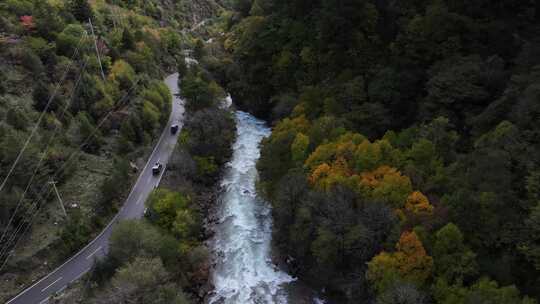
[(244, 272)]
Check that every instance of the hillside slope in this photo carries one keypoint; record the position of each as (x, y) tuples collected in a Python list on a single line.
[(404, 161), (95, 121)]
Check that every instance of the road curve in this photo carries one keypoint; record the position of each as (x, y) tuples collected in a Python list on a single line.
[(133, 208)]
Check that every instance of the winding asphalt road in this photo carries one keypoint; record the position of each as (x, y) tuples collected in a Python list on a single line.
[(133, 208)]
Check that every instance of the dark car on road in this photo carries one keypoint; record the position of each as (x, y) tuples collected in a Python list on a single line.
[(174, 129), (157, 168)]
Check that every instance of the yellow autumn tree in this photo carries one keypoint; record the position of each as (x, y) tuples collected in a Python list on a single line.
[(351, 160), (418, 204), (326, 176), (413, 262), (344, 147), (277, 157), (299, 148), (386, 184), (320, 173), (297, 125), (122, 73), (409, 262), (382, 271)]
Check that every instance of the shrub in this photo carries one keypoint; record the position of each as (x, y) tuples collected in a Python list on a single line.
[(81, 10), (3, 83), (123, 74), (41, 95), (206, 169), (39, 46), (68, 40), (19, 7), (75, 234), (16, 118), (114, 186), (32, 62), (150, 116)]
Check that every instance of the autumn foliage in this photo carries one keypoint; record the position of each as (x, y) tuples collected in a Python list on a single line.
[(409, 262), (386, 184), (326, 176), (27, 22), (418, 204), (427, 110)]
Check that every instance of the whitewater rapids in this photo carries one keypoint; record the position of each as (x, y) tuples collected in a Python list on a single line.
[(244, 272)]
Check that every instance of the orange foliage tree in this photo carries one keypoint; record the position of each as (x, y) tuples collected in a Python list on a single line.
[(418, 204), (409, 263), (326, 176), (344, 147), (386, 184), (346, 160)]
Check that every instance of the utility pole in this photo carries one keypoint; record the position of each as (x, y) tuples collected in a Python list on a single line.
[(97, 49), (53, 183)]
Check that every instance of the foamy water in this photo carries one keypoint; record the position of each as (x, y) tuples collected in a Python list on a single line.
[(244, 272)]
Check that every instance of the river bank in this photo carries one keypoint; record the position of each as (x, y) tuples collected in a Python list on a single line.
[(247, 268)]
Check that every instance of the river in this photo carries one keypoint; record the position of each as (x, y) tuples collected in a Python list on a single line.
[(244, 272)]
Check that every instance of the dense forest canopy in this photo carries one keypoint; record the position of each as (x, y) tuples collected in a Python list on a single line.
[(404, 164)]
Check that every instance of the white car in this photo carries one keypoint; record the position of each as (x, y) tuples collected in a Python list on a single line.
[(156, 169)]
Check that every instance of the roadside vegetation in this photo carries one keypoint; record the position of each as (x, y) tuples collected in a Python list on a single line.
[(403, 165), (162, 258), (159, 259), (99, 118), (210, 129)]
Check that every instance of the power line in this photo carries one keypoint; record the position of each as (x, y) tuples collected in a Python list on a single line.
[(30, 221), (96, 129), (38, 123), (97, 49), (40, 162), (42, 158), (14, 235)]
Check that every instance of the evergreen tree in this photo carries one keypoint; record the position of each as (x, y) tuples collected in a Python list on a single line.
[(16, 118), (89, 135), (198, 51), (128, 41), (81, 10), (3, 81), (41, 95)]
